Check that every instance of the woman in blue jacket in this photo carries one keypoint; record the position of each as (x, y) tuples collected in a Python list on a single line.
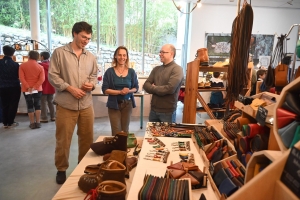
[(120, 82)]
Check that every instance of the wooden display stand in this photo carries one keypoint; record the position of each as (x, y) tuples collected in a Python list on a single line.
[(267, 184), (192, 92)]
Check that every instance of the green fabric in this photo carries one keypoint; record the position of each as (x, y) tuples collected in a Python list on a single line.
[(296, 137)]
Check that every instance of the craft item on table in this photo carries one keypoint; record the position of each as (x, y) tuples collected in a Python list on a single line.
[(158, 155), (187, 170), (165, 129), (181, 146), (206, 135), (155, 141), (164, 188), (131, 140), (187, 157), (136, 150)]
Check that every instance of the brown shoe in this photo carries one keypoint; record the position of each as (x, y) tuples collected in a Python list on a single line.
[(44, 121), (119, 142), (202, 55), (109, 190)]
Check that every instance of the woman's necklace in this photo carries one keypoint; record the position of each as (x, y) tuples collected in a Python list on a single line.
[(121, 73)]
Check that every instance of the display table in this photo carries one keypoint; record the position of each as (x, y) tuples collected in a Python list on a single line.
[(70, 189), (158, 168)]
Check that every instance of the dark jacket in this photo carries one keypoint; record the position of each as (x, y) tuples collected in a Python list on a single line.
[(108, 83), (9, 73)]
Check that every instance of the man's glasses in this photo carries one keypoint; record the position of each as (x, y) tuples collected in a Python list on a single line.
[(84, 37), (163, 52)]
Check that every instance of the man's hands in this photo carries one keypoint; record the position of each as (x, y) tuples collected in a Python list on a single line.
[(76, 92), (87, 86)]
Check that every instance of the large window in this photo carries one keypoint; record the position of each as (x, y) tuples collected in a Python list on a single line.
[(161, 26)]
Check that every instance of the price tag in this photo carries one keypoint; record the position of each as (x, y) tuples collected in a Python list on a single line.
[(261, 115)]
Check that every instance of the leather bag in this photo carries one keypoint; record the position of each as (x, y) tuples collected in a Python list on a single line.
[(281, 74)]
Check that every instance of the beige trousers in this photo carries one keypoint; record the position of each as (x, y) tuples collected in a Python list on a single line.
[(66, 121)]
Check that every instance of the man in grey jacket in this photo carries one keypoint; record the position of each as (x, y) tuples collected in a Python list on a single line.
[(164, 84), (73, 72)]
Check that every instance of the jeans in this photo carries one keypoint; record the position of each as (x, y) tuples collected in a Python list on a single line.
[(33, 101), (162, 117), (119, 119), (47, 99), (66, 120)]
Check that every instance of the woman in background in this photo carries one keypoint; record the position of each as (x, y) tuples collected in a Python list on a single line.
[(120, 82), (32, 77)]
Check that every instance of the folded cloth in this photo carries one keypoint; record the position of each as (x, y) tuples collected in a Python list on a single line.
[(259, 142), (227, 187), (244, 144), (254, 129), (241, 121), (258, 102), (287, 133), (220, 177), (292, 102), (284, 117), (296, 137)]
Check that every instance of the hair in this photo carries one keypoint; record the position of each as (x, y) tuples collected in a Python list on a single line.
[(216, 74), (260, 72), (8, 50), (45, 54), (34, 55), (114, 62), (173, 49), (225, 76), (82, 26)]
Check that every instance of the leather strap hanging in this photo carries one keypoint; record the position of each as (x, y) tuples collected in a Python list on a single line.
[(239, 52)]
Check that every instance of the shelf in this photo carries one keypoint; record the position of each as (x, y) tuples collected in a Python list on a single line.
[(192, 91), (294, 86), (267, 184), (210, 89), (212, 69), (261, 157)]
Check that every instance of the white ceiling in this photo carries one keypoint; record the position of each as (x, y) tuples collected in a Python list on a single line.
[(295, 4)]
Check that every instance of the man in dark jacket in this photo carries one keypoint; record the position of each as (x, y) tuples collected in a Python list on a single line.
[(10, 90)]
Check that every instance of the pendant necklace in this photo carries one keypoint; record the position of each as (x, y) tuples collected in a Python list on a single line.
[(121, 73)]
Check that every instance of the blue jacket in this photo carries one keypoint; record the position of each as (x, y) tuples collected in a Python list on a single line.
[(108, 83)]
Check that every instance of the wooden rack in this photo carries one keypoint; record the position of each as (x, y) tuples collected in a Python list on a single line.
[(192, 92)]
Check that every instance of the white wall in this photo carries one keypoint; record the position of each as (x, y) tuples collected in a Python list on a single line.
[(219, 19)]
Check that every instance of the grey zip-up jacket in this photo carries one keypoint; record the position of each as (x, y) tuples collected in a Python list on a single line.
[(67, 70)]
